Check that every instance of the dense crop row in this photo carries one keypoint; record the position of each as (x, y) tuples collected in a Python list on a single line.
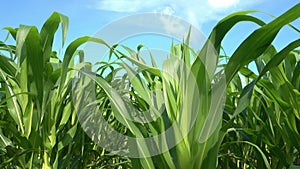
[(259, 127)]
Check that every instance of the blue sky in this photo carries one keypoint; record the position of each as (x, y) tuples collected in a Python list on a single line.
[(88, 16)]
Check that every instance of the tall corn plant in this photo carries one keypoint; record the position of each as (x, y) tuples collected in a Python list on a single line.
[(38, 124), (260, 116), (199, 148), (44, 117), (38, 95), (271, 121), (251, 49)]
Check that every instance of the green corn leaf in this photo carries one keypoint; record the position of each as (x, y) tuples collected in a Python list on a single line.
[(245, 97), (13, 104), (120, 109), (48, 30), (6, 66), (28, 39), (68, 137), (12, 31), (223, 26), (4, 141), (70, 51), (256, 43)]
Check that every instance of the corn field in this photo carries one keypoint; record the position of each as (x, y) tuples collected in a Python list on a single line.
[(258, 127)]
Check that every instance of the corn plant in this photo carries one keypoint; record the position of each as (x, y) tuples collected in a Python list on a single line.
[(38, 125), (271, 120), (199, 148), (42, 124), (263, 117)]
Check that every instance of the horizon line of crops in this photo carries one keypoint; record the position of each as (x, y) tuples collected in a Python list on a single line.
[(259, 127)]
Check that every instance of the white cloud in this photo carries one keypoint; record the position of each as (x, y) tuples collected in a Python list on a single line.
[(168, 10), (222, 3), (173, 26), (127, 6), (196, 12)]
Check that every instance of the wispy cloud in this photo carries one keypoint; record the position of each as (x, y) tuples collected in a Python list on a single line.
[(127, 6), (222, 3), (196, 12)]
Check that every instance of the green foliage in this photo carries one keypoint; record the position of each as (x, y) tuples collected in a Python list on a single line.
[(39, 127), (259, 127)]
